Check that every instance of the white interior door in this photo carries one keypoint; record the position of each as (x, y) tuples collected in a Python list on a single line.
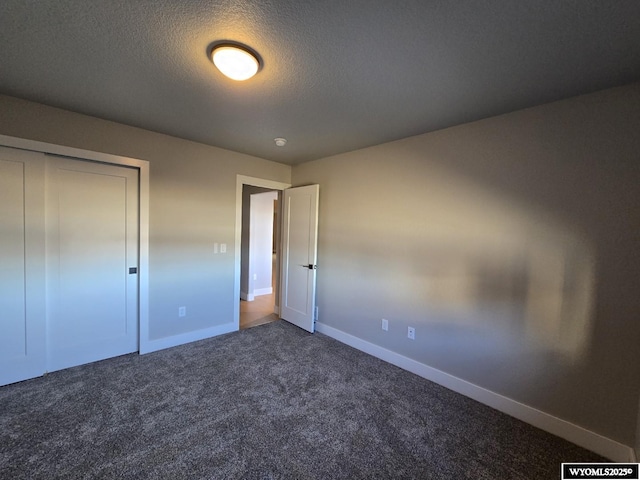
[(299, 255), (22, 272), (92, 261)]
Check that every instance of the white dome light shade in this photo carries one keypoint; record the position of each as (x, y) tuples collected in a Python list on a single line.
[(235, 62)]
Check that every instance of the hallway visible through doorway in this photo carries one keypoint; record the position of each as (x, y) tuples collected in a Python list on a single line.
[(261, 309)]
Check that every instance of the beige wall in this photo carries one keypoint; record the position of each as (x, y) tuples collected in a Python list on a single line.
[(192, 206), (510, 244)]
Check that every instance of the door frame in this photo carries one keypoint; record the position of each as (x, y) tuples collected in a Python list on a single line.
[(242, 180), (143, 218)]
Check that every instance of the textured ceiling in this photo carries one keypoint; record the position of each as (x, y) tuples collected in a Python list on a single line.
[(337, 76)]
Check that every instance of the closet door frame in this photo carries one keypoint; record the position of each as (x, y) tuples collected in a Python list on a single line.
[(144, 171)]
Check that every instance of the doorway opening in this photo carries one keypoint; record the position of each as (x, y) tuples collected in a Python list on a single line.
[(243, 181), (259, 266)]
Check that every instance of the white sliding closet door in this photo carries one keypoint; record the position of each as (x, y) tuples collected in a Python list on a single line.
[(92, 261), (22, 273)]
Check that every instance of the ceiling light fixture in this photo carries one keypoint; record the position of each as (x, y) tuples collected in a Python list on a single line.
[(280, 142), (235, 61)]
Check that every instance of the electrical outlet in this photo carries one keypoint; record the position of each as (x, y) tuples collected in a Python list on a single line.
[(182, 311), (385, 324), (411, 333)]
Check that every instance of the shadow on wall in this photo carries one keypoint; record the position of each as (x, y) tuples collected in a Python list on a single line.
[(497, 289), (540, 291)]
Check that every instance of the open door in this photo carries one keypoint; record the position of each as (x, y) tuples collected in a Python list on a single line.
[(299, 254)]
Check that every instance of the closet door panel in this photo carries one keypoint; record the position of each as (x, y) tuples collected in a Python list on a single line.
[(22, 280)]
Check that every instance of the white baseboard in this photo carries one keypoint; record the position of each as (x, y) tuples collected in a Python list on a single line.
[(168, 342), (262, 291), (580, 436), (247, 297)]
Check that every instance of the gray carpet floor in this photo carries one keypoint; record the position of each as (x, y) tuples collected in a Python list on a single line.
[(270, 402)]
